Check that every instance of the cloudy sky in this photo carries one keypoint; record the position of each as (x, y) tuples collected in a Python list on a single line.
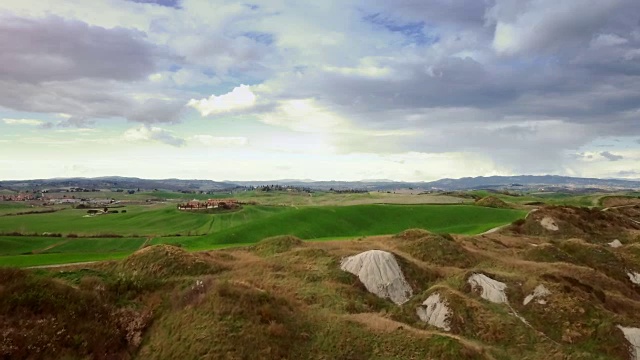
[(347, 89)]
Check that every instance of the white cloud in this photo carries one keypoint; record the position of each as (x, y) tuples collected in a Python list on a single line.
[(305, 115), (523, 26), (77, 131), (605, 40), (506, 38), (28, 122), (240, 98), (367, 68), (221, 141), (146, 133)]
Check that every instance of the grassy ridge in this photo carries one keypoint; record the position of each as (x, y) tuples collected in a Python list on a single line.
[(551, 198), (362, 220)]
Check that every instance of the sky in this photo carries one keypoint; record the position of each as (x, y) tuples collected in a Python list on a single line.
[(406, 90)]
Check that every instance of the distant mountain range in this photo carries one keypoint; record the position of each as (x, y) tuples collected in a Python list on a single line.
[(525, 182)]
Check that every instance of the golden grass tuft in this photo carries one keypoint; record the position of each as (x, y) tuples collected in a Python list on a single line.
[(166, 260), (277, 244), (493, 202)]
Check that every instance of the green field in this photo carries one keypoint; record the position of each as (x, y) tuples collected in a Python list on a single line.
[(165, 224), (363, 220), (246, 226), (52, 259), (17, 245), (9, 207), (317, 198), (157, 220)]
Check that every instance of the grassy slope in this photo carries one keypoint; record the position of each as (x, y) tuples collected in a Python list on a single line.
[(254, 223), (549, 198), (8, 207), (16, 245), (294, 302), (362, 220), (139, 220), (316, 199)]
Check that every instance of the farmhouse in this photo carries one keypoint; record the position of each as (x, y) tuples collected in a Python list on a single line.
[(209, 204), (18, 197)]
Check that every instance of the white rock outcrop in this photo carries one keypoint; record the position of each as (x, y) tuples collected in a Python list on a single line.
[(491, 290), (633, 337), (615, 244), (539, 294), (380, 273), (435, 311), (634, 277), (549, 224)]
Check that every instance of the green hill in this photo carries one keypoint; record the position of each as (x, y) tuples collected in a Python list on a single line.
[(362, 220)]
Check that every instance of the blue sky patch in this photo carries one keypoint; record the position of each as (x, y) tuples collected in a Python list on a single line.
[(261, 37), (414, 32)]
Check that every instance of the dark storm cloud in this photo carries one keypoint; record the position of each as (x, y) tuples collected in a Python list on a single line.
[(168, 3), (86, 100), (548, 26), (610, 156), (156, 111), (55, 49), (563, 74), (592, 82), (53, 65)]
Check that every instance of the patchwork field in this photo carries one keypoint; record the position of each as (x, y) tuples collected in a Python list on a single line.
[(154, 220), (321, 198), (116, 234)]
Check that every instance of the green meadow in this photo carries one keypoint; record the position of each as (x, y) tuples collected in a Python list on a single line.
[(144, 225), (362, 220), (156, 220)]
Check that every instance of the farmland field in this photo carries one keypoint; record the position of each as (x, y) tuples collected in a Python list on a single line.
[(156, 220), (314, 199), (364, 220), (13, 207), (198, 231)]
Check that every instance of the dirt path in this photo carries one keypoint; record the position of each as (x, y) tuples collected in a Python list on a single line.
[(498, 228), (619, 207), (376, 322), (50, 247), (145, 243), (61, 265)]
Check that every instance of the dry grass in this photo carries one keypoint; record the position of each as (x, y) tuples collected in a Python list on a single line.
[(277, 244), (167, 260), (287, 299), (592, 225), (610, 201), (493, 202)]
